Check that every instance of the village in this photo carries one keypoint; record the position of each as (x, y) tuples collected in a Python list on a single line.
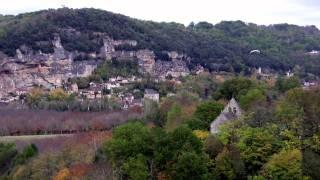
[(54, 71), (19, 75), (114, 88)]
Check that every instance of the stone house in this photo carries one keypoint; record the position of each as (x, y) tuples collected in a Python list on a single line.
[(231, 112), (72, 88), (21, 91), (152, 95)]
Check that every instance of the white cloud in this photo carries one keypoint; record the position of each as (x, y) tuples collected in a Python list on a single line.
[(302, 12)]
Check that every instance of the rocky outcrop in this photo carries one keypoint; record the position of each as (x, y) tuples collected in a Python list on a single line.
[(59, 52), (28, 69), (108, 50), (174, 68), (175, 56), (146, 60)]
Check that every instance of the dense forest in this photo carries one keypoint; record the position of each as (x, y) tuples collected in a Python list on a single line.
[(224, 47)]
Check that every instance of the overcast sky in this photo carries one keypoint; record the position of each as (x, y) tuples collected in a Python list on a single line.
[(301, 12)]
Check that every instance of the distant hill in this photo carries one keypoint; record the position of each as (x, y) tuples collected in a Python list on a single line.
[(225, 46)]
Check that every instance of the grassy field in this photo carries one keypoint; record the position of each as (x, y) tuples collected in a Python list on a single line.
[(6, 139), (57, 142)]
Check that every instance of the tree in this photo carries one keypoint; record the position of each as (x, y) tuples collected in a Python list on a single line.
[(284, 85), (229, 165), (208, 111), (202, 135), (139, 152), (311, 163), (299, 113), (234, 88), (213, 146), (252, 97), (82, 82), (256, 146), (27, 152), (284, 165), (182, 139), (34, 97), (136, 168), (196, 124), (128, 140), (190, 165), (174, 117), (63, 174), (58, 95), (7, 155)]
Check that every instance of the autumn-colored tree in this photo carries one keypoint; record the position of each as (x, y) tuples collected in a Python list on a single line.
[(202, 135), (284, 165), (34, 97), (63, 174), (58, 95)]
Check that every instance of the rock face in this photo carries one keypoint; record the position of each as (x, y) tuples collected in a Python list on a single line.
[(108, 50), (28, 69), (171, 68), (146, 60), (59, 52)]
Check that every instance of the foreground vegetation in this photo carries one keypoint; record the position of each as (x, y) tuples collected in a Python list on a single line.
[(276, 138)]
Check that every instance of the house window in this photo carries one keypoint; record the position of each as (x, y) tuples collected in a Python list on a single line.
[(230, 110), (234, 110)]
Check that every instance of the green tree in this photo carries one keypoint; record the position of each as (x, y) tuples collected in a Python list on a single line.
[(256, 146), (284, 165), (7, 155), (234, 88), (182, 139), (213, 146), (136, 168), (311, 163), (27, 152), (229, 165), (252, 97), (208, 111), (174, 117), (285, 84), (190, 165), (128, 140), (297, 111), (82, 82)]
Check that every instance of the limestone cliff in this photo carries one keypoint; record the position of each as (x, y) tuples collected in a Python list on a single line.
[(29, 68)]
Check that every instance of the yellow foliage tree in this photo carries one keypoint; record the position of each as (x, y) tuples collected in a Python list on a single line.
[(202, 135), (63, 174), (58, 95)]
